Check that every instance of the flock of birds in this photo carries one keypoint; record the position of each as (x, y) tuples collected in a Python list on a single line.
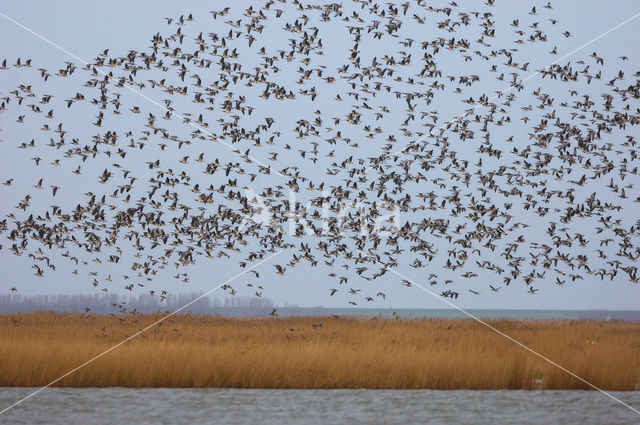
[(199, 134)]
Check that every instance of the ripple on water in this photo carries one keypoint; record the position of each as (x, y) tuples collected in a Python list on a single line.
[(194, 406)]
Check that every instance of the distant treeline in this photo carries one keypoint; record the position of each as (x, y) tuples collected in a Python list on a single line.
[(145, 303)]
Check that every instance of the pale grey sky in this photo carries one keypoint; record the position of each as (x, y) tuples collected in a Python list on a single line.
[(87, 28)]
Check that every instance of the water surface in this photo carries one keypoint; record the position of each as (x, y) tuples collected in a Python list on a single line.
[(241, 406)]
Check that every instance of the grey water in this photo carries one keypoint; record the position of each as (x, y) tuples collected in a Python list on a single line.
[(449, 313), (240, 406)]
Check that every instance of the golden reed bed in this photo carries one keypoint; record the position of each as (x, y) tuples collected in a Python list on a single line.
[(204, 351)]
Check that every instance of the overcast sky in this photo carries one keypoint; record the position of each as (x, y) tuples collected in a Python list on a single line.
[(87, 28)]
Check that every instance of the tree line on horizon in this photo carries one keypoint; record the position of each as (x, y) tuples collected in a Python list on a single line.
[(142, 303)]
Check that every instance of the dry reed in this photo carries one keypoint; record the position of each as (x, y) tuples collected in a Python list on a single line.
[(205, 351)]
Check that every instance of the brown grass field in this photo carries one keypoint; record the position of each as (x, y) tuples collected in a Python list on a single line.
[(206, 351)]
